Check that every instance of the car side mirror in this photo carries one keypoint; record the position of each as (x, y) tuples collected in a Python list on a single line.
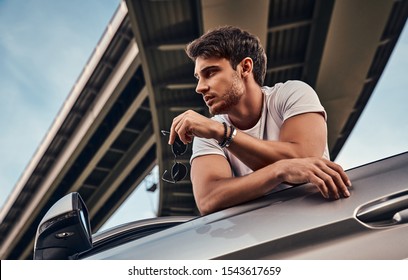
[(64, 230)]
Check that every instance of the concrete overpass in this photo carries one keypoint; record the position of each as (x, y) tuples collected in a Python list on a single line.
[(106, 138)]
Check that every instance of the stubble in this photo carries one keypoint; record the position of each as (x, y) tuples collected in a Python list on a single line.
[(230, 98)]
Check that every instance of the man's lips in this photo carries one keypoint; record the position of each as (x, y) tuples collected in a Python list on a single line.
[(208, 99)]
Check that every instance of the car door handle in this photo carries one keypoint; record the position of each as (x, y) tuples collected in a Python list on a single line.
[(401, 217), (389, 211)]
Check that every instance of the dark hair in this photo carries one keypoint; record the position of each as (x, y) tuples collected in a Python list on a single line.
[(231, 43)]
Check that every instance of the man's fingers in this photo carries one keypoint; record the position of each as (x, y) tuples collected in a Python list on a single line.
[(321, 185), (340, 171), (340, 178), (173, 133), (182, 129), (335, 179), (176, 129)]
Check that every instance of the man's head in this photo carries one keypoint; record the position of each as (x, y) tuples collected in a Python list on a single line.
[(233, 44)]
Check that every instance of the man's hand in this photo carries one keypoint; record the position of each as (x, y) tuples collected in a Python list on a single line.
[(190, 124), (326, 175)]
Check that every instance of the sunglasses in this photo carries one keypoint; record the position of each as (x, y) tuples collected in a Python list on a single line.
[(178, 170)]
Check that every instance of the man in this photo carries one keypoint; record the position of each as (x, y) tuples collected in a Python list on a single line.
[(259, 136)]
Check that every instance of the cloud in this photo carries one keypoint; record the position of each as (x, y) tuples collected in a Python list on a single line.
[(43, 47)]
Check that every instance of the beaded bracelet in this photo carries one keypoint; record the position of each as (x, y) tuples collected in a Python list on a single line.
[(231, 136), (222, 144), (228, 140)]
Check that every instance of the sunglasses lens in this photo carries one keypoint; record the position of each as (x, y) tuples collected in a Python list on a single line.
[(166, 176), (179, 171), (178, 147)]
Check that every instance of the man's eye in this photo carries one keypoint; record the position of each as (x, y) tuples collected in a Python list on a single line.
[(210, 74)]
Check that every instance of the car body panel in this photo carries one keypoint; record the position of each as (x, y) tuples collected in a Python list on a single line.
[(294, 223)]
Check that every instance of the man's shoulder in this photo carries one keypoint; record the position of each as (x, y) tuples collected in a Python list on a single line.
[(285, 88), (287, 84), (296, 84)]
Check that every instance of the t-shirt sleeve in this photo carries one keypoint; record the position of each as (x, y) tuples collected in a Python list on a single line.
[(297, 97), (203, 146)]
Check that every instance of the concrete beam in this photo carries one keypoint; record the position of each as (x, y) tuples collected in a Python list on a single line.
[(353, 37), (249, 15)]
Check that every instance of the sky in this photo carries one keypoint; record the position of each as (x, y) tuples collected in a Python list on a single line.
[(45, 44)]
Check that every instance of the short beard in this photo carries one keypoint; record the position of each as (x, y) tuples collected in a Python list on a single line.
[(231, 97)]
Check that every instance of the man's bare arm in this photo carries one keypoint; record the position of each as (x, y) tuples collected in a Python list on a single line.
[(303, 135), (215, 188)]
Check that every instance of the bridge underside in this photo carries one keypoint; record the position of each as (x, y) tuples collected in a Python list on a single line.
[(107, 137)]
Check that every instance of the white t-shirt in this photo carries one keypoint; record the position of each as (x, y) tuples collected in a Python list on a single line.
[(282, 101)]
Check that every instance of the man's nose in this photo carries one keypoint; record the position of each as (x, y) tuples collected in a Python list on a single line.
[(201, 87)]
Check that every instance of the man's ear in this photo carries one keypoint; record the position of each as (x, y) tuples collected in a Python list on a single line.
[(247, 66)]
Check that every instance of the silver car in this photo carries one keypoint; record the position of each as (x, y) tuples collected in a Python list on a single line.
[(293, 222)]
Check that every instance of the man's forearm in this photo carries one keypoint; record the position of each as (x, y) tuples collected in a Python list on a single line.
[(256, 153), (215, 193)]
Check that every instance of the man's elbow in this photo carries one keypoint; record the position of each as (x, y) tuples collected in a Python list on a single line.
[(302, 151), (206, 206)]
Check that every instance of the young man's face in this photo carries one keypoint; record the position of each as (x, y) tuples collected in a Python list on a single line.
[(219, 84)]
